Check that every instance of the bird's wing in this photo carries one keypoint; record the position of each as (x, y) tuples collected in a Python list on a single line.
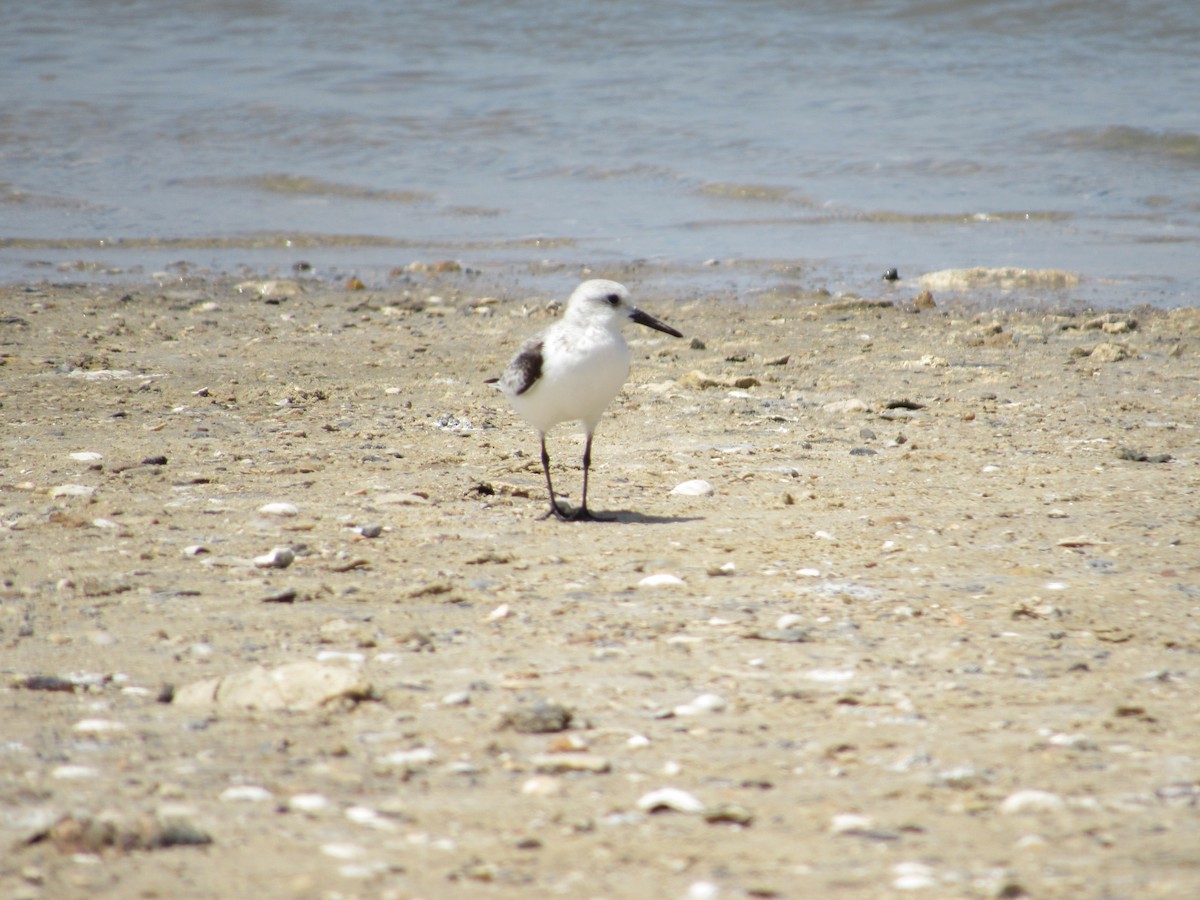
[(525, 369)]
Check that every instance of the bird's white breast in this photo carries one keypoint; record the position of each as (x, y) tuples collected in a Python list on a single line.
[(582, 371)]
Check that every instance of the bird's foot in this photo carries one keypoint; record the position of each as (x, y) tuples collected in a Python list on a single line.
[(583, 514), (557, 512)]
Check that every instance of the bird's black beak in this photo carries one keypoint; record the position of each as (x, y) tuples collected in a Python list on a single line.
[(650, 322)]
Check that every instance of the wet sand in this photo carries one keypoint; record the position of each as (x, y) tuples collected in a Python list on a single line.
[(940, 608)]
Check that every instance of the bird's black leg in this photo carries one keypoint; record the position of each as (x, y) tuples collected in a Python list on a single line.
[(583, 514), (555, 509)]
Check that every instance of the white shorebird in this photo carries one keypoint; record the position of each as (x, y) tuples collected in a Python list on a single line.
[(573, 370)]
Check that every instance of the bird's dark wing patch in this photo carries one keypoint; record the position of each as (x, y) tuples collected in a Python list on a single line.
[(525, 369)]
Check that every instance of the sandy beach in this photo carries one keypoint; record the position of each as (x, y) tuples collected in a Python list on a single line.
[(280, 616)]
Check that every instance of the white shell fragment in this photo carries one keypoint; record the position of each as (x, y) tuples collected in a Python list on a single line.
[(279, 509), (1030, 800), (664, 579), (87, 456), (72, 490), (251, 793), (697, 487), (68, 772), (279, 558), (672, 799), (342, 850), (913, 876), (310, 803), (410, 759), (844, 822), (705, 703)]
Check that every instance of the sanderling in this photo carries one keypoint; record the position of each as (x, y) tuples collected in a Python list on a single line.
[(572, 371)]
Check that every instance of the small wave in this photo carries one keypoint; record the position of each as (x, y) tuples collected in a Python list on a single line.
[(1181, 147), (765, 193), (300, 185), (12, 195), (884, 217), (273, 240)]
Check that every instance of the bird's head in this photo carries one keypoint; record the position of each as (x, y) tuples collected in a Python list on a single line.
[(600, 300)]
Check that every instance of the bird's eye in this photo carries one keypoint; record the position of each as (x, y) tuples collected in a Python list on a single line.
[(613, 299)]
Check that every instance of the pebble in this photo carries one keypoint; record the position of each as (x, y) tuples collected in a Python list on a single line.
[(87, 456), (1109, 352), (370, 531), (853, 405), (539, 718), (246, 793), (729, 814), (349, 631), (1112, 323), (279, 558), (783, 635), (702, 890), (962, 777), (705, 703), (556, 763), (696, 487), (913, 876), (458, 698), (86, 837), (71, 772), (844, 822), (416, 758), (542, 786), (670, 799), (310, 803), (928, 361), (98, 726), (342, 850), (1031, 800), (364, 815), (664, 579), (279, 509), (296, 686), (341, 656), (72, 490)]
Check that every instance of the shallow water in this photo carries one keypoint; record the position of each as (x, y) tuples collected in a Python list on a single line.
[(880, 133)]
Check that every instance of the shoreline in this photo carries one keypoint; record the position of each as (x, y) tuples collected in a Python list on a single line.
[(467, 269), (943, 591)]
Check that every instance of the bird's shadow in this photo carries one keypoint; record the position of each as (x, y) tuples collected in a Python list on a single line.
[(632, 517)]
